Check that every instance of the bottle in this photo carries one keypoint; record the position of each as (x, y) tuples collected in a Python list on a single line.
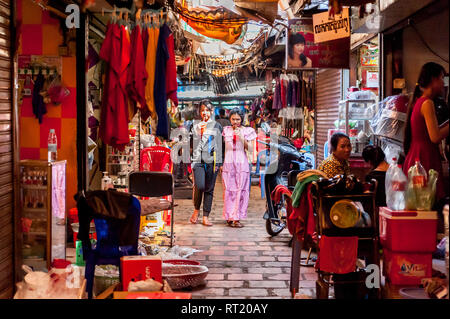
[(106, 181), (389, 171), (419, 180), (52, 145), (395, 193)]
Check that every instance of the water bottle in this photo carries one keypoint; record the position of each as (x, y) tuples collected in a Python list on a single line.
[(395, 193), (419, 179), (52, 145), (389, 172)]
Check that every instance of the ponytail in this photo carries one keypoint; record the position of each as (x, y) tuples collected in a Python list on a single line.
[(407, 133)]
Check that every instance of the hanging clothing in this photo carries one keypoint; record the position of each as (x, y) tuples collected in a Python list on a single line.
[(235, 174), (171, 71), (137, 75), (159, 90), (150, 65), (145, 38), (37, 101), (115, 51)]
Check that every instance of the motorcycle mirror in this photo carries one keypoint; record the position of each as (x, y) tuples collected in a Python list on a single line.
[(266, 128)]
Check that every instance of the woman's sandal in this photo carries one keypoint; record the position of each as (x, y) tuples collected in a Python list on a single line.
[(230, 223), (237, 224), (207, 224), (193, 221)]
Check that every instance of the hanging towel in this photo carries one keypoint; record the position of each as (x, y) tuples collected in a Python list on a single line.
[(337, 254)]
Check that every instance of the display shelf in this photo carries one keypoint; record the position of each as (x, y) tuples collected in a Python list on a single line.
[(38, 231)]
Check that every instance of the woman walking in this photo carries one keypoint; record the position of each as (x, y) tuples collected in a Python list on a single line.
[(205, 165), (235, 171)]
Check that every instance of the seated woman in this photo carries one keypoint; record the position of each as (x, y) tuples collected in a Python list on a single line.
[(337, 162), (374, 155)]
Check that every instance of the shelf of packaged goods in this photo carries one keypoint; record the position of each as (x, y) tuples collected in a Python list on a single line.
[(34, 210), (34, 187)]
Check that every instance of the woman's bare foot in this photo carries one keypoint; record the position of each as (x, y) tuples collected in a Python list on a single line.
[(206, 221), (194, 217)]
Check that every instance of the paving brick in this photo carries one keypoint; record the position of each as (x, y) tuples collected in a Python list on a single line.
[(259, 258), (242, 253), (224, 248), (210, 291), (264, 248), (282, 292), (225, 258), (248, 292), (307, 276), (241, 243), (225, 284), (215, 276), (225, 270), (307, 284), (265, 270), (277, 264), (210, 252), (280, 277), (284, 258), (267, 284), (277, 253), (245, 277)]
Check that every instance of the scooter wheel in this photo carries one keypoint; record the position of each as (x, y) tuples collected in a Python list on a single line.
[(272, 229)]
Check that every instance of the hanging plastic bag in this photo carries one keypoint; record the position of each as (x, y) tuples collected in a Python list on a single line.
[(56, 91), (391, 117)]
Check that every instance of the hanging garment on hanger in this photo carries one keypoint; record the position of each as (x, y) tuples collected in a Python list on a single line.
[(114, 115), (145, 38), (150, 65), (37, 101), (171, 71), (137, 76), (277, 95), (284, 85), (162, 56)]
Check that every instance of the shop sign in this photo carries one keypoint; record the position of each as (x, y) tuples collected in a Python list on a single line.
[(327, 29), (303, 52)]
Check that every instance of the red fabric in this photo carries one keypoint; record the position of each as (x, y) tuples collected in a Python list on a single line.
[(171, 72), (137, 76), (114, 116), (337, 254), (423, 148), (297, 217), (283, 87)]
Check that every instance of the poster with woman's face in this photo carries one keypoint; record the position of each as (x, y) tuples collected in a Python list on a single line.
[(302, 52)]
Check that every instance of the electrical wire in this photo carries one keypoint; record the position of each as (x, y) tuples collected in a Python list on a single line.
[(426, 44)]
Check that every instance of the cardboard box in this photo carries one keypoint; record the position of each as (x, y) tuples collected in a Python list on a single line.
[(137, 268)]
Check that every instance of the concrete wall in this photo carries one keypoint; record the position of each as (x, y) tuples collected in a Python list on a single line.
[(435, 31)]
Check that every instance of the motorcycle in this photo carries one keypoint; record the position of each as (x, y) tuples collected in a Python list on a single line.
[(289, 159)]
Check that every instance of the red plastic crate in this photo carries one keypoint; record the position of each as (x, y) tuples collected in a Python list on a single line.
[(406, 268), (408, 231)]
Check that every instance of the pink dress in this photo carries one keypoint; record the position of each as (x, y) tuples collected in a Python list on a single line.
[(236, 174)]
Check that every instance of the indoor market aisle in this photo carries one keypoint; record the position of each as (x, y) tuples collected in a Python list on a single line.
[(243, 262)]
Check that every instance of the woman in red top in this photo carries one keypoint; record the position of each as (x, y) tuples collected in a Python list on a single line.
[(422, 132)]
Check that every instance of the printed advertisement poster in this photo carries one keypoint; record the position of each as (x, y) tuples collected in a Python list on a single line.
[(302, 52)]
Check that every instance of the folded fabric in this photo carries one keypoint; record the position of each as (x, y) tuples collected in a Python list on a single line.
[(300, 187), (337, 254)]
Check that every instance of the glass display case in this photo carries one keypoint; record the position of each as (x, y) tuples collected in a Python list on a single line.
[(354, 119), (43, 212)]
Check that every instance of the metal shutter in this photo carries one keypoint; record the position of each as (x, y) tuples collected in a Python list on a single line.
[(6, 155), (328, 95)]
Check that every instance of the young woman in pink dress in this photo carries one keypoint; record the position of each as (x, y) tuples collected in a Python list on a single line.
[(236, 170), (422, 132)]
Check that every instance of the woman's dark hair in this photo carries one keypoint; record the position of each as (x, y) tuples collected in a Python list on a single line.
[(293, 40), (237, 111), (334, 140), (428, 72), (373, 155), (206, 103)]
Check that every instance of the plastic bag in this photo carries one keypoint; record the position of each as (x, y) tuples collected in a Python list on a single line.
[(391, 117), (391, 150), (57, 92), (423, 198)]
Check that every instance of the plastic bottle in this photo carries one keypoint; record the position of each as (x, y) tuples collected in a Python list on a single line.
[(395, 193), (52, 146), (106, 181), (389, 172), (419, 180)]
